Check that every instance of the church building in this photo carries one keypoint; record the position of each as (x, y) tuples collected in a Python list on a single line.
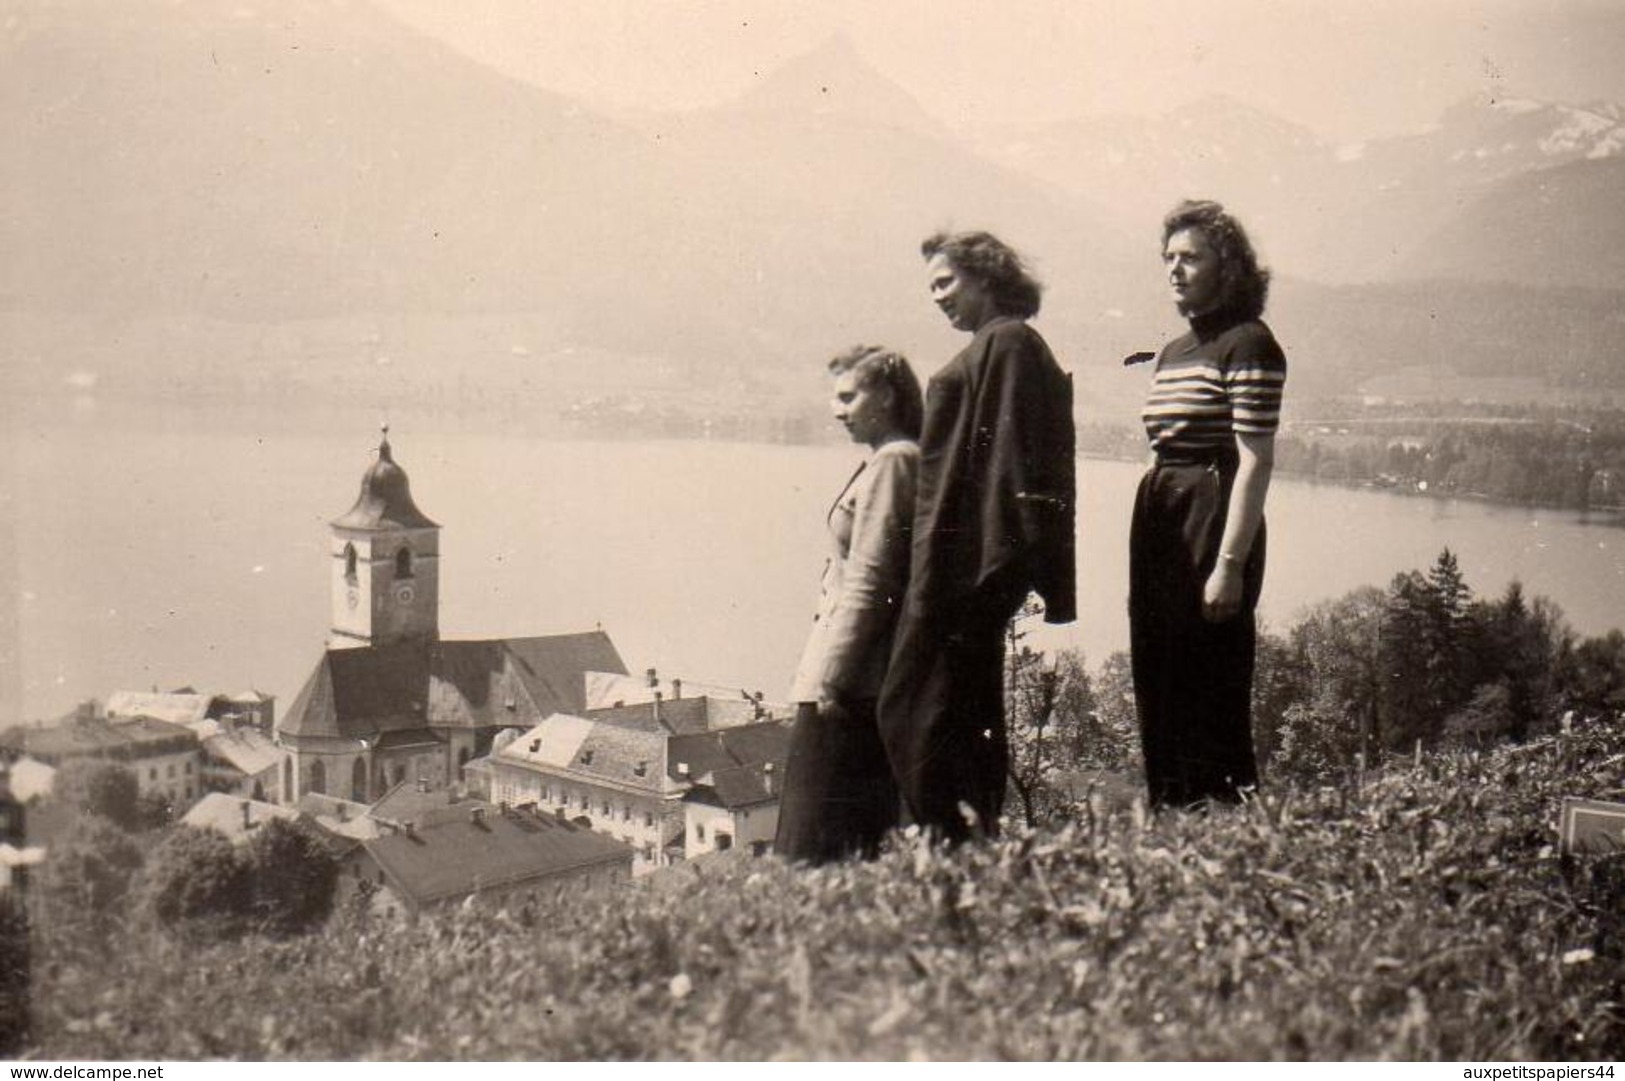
[(389, 700)]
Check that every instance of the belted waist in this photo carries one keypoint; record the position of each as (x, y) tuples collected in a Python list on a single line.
[(1223, 457)]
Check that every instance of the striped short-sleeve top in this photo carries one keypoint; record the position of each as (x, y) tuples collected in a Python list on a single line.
[(1222, 378)]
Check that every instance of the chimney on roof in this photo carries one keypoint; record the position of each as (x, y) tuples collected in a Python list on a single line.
[(767, 777), (676, 689), (248, 822), (682, 770), (652, 676), (476, 815), (655, 705)]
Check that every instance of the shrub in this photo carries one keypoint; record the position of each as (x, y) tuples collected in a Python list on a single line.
[(107, 789), (88, 870), (294, 877), (196, 881), (15, 972), (1422, 915)]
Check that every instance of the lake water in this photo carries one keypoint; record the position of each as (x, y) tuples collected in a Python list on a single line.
[(175, 549)]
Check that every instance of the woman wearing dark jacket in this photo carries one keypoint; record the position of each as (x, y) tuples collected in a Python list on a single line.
[(993, 520), (838, 797), (1196, 546)]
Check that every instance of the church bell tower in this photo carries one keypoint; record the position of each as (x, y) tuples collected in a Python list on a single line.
[(386, 563)]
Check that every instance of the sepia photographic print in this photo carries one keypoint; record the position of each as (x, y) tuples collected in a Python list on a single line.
[(599, 530)]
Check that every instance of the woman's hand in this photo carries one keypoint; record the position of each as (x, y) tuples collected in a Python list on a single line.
[(1221, 597)]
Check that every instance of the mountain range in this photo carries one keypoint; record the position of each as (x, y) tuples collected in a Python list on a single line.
[(316, 163)]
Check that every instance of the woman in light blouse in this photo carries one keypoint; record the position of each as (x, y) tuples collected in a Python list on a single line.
[(839, 798)]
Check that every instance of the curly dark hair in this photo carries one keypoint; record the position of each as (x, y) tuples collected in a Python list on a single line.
[(995, 264), (876, 365), (1244, 286)]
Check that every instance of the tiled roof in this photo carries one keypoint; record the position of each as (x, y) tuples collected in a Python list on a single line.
[(688, 758), (679, 716), (458, 856), (142, 737), (768, 741), (224, 813), (176, 708), (340, 817), (247, 750), (729, 761), (320, 805), (592, 750), (739, 786), (607, 689), (355, 693), (406, 738), (553, 668), (684, 716), (406, 802)]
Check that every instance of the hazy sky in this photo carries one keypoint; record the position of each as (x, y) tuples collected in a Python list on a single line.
[(1349, 69)]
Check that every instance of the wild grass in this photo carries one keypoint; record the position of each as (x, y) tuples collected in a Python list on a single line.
[(1425, 914)]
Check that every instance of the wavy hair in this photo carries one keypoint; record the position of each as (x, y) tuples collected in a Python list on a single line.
[(995, 264), (1244, 286), (877, 366)]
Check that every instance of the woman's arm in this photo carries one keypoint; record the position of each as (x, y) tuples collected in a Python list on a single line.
[(1221, 598)]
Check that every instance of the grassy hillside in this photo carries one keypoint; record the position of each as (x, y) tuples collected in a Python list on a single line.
[(1422, 915)]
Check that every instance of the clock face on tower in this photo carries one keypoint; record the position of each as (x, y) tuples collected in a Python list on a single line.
[(403, 595)]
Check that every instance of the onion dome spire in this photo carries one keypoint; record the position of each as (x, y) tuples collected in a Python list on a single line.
[(385, 501)]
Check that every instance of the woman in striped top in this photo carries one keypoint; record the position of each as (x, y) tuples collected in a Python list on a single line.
[(1197, 542)]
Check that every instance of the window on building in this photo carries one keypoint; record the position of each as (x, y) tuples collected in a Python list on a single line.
[(318, 778), (606, 809), (188, 767), (152, 773), (169, 771), (626, 812), (403, 563), (724, 841), (648, 818), (349, 562), (699, 833)]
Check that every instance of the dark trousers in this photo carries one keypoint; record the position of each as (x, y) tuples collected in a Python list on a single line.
[(838, 799), (942, 719), (1192, 679)]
